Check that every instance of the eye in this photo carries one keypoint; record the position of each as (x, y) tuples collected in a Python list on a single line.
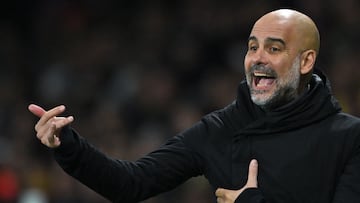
[(274, 49), (252, 48)]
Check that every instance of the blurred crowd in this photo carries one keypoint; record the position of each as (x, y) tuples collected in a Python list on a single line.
[(133, 74)]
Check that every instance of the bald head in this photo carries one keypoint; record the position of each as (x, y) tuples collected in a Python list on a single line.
[(282, 50), (301, 27)]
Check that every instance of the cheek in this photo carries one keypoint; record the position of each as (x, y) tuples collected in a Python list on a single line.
[(247, 63), (281, 65), (282, 68)]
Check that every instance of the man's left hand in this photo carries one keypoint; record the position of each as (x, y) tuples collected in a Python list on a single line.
[(229, 196)]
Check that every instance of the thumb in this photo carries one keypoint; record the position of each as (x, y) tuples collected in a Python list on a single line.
[(220, 192), (36, 110), (253, 173)]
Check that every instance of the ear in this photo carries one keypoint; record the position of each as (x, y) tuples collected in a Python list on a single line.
[(308, 58)]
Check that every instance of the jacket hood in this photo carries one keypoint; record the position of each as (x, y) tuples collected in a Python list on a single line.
[(314, 105)]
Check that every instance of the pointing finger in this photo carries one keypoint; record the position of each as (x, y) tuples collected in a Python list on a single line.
[(253, 173)]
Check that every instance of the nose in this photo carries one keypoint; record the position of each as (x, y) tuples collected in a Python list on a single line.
[(258, 57)]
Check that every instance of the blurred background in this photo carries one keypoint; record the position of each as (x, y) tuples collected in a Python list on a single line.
[(134, 73)]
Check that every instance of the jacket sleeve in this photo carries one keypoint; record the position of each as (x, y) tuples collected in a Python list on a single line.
[(348, 187), (125, 181), (250, 195)]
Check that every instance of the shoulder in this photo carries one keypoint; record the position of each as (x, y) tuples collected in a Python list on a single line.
[(347, 121), (347, 127), (221, 118), (212, 126)]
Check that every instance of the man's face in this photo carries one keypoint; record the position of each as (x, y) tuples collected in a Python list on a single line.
[(272, 63)]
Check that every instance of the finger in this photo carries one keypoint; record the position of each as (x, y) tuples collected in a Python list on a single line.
[(54, 126), (36, 110), (60, 122), (219, 192), (51, 142), (51, 114), (47, 131), (50, 132), (50, 139), (253, 173)]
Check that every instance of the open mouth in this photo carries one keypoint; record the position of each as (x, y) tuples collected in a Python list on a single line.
[(263, 80)]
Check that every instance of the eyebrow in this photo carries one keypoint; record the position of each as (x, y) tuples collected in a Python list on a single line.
[(269, 39), (252, 38)]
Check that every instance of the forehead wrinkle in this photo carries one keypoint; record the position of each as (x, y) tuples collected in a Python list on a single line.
[(273, 30)]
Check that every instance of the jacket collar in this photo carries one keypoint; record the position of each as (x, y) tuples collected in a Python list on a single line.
[(314, 105)]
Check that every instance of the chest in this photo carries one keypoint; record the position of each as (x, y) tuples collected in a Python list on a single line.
[(291, 164)]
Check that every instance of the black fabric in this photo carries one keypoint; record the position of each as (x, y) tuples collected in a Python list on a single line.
[(314, 105), (252, 195), (121, 180), (308, 151)]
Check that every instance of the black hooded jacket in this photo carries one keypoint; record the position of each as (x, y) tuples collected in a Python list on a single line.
[(308, 151)]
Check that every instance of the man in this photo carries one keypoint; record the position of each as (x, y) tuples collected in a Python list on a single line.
[(284, 139)]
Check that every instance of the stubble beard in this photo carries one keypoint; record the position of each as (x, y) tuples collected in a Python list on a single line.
[(286, 88)]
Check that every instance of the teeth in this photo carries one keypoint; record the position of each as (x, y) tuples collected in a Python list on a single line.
[(261, 75)]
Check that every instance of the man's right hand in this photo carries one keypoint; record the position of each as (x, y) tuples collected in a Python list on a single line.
[(49, 125)]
